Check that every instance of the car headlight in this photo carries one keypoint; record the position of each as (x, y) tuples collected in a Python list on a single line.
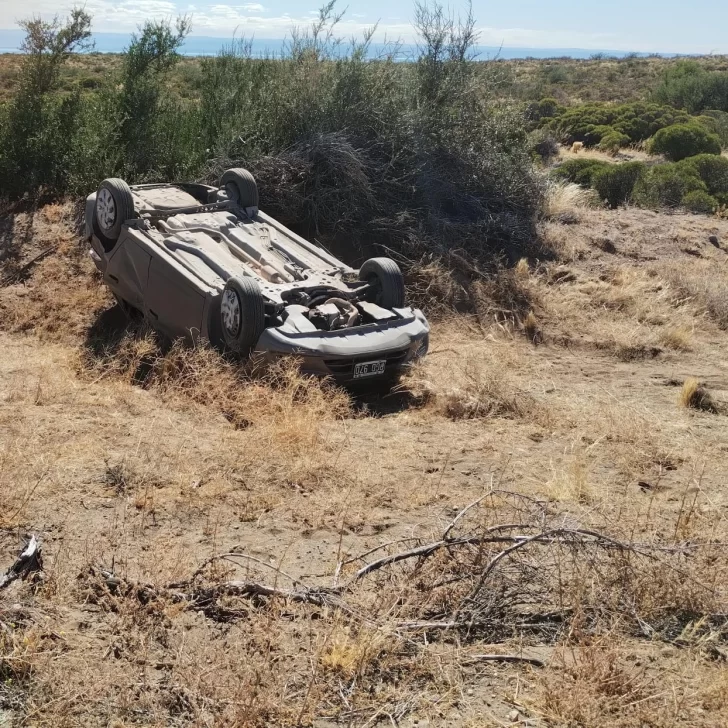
[(422, 346)]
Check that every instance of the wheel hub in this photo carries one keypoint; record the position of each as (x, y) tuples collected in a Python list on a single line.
[(230, 309), (105, 209), (232, 192)]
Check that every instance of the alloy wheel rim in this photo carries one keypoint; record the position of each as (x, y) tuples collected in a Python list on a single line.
[(230, 308), (105, 209)]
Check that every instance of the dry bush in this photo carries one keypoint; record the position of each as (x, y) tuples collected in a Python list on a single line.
[(287, 410), (694, 396), (444, 286), (701, 283), (565, 202), (477, 382), (677, 338)]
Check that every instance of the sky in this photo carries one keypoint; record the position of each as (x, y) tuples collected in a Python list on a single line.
[(667, 26)]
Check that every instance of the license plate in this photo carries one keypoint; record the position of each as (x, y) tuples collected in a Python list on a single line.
[(369, 368)]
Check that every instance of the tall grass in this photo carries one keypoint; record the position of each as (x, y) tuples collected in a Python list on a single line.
[(418, 157)]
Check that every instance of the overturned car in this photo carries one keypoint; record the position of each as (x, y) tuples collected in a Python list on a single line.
[(205, 262)]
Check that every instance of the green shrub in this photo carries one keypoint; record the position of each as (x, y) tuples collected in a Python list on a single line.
[(665, 185), (39, 132), (579, 171), (588, 123), (541, 144), (718, 124), (688, 85), (712, 169), (546, 108), (612, 141), (699, 201), (416, 157), (615, 182), (684, 140)]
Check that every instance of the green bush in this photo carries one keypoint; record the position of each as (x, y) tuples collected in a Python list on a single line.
[(579, 171), (665, 185), (416, 156), (612, 141), (712, 169), (717, 122), (542, 145), (615, 182), (699, 201), (684, 140), (588, 123), (546, 108), (688, 85)]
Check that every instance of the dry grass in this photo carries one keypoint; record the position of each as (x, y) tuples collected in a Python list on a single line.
[(478, 383), (701, 284), (695, 396), (606, 684), (565, 202)]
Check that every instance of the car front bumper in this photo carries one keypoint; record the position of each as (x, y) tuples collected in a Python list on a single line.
[(337, 353)]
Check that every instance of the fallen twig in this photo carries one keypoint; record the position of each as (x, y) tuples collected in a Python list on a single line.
[(18, 274), (506, 658), (230, 557), (28, 561)]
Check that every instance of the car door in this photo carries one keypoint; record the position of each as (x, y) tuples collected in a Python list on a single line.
[(172, 302)]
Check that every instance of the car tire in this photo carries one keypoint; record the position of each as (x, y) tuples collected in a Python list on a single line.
[(241, 187), (387, 282), (242, 315), (114, 206)]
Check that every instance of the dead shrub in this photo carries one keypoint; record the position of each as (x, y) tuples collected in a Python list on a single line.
[(477, 385), (695, 396), (565, 202), (701, 283)]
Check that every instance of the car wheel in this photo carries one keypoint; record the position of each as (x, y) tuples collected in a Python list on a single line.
[(386, 280), (114, 206), (240, 187), (242, 314)]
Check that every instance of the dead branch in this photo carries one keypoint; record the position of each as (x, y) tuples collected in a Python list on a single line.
[(431, 548), (230, 557), (29, 561), (205, 597), (563, 535), (20, 273), (506, 658)]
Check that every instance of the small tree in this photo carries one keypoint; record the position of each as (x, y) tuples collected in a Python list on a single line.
[(41, 129), (151, 53), (446, 46)]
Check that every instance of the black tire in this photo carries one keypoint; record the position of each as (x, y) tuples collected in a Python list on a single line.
[(241, 187), (114, 206), (387, 281), (241, 332)]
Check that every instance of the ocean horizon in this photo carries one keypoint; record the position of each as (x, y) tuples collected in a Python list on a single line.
[(10, 41)]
